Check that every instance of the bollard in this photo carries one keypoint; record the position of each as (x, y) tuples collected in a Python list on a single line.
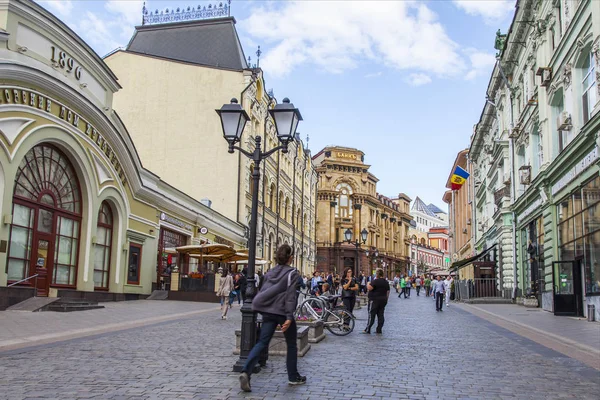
[(591, 313)]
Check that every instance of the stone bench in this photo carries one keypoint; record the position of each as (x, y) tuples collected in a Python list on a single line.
[(315, 330), (277, 347)]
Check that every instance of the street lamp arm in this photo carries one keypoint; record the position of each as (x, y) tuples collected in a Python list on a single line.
[(244, 152), (273, 150)]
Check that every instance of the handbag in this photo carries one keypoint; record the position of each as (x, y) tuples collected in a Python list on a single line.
[(233, 293)]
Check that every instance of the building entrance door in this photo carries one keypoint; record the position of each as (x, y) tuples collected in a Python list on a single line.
[(566, 280)]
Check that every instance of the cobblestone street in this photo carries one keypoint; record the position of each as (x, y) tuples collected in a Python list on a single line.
[(421, 355)]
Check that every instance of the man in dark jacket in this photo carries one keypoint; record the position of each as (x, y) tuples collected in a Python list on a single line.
[(244, 283), (277, 301)]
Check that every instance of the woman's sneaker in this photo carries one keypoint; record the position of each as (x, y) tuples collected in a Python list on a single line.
[(300, 380)]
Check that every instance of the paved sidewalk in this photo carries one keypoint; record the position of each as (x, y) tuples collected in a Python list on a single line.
[(22, 328), (564, 334), (422, 354)]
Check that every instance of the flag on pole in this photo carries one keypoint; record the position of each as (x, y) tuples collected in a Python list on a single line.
[(459, 177)]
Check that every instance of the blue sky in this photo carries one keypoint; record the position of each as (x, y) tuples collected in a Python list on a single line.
[(403, 81)]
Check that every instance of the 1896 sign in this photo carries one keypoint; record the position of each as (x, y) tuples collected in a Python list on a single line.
[(64, 61)]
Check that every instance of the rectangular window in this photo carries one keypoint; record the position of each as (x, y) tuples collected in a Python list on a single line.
[(579, 232), (19, 251), (135, 264), (588, 88), (65, 252)]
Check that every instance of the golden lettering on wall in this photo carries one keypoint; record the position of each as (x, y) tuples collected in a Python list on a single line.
[(346, 155), (44, 103)]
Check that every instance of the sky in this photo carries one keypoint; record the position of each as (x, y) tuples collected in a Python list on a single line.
[(403, 81)]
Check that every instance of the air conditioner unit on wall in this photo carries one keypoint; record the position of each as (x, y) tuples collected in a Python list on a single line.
[(545, 74), (564, 121)]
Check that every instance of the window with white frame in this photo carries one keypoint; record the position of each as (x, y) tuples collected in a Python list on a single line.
[(588, 83)]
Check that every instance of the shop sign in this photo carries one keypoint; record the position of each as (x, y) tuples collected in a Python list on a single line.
[(581, 166), (203, 230), (532, 207), (19, 96), (220, 240), (175, 221)]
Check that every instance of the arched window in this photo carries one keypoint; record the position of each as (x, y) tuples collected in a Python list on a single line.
[(103, 247), (286, 207), (270, 248), (250, 186), (344, 206), (272, 197), (46, 218), (280, 211)]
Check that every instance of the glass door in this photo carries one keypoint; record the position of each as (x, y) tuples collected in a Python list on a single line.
[(565, 288)]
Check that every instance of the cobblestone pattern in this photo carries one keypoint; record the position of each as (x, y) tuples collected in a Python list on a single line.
[(422, 354)]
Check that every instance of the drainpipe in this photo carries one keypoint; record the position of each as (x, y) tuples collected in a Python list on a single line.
[(303, 180), (511, 155)]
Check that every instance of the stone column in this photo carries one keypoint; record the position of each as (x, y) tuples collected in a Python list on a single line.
[(332, 222), (356, 221)]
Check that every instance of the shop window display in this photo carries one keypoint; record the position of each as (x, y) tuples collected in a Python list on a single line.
[(579, 232)]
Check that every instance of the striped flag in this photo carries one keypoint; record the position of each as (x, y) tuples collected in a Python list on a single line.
[(459, 177)]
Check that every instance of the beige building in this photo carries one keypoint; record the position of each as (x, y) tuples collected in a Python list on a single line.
[(461, 239), (174, 76), (348, 199), (81, 217)]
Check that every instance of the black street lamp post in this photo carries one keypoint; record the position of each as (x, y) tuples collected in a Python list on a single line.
[(233, 119), (363, 237), (374, 254)]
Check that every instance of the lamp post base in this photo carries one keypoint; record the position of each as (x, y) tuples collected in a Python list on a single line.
[(249, 332)]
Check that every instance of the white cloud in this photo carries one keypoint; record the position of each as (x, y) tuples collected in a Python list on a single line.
[(492, 11), (128, 14), (97, 31), (418, 79), (62, 7), (374, 75), (335, 36), (481, 63)]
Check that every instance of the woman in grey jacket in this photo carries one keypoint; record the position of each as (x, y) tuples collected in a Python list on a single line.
[(276, 301)]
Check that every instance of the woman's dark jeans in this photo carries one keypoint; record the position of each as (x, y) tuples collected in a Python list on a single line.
[(270, 322), (349, 303)]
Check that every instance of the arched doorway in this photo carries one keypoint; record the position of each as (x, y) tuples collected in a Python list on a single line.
[(46, 223)]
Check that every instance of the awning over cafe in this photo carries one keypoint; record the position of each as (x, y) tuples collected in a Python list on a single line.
[(462, 263)]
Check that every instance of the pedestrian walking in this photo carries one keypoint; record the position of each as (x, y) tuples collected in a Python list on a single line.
[(237, 284), (447, 288), (224, 292), (418, 284), (276, 301), (402, 287), (407, 286), (349, 290), (379, 292), (438, 292), (427, 287), (314, 283)]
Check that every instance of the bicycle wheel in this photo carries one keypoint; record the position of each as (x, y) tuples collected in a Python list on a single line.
[(340, 322), (315, 305)]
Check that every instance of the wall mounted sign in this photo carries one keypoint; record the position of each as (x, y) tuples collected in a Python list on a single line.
[(574, 172), (532, 207), (346, 155), (203, 230), (29, 98), (175, 221), (220, 240)]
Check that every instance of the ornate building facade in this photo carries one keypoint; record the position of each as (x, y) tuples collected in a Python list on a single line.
[(534, 154), (81, 215), (347, 198), (174, 75)]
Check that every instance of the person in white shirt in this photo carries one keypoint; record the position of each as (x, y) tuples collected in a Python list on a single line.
[(447, 283), (438, 291)]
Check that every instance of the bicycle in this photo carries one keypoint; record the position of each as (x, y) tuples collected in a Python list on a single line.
[(336, 319)]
